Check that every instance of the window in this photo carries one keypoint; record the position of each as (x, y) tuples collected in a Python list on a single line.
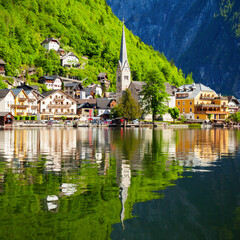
[(178, 103), (43, 110), (50, 110), (190, 110), (190, 102), (61, 110), (72, 110), (43, 102), (125, 77), (183, 110), (119, 78), (183, 103), (51, 97), (197, 117)]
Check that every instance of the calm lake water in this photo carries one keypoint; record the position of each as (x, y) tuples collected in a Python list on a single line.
[(91, 183)]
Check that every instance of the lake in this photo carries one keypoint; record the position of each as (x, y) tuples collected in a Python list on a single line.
[(101, 183)]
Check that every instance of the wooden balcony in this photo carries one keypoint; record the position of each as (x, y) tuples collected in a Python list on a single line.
[(14, 105), (32, 100), (59, 106), (208, 105), (22, 99), (211, 112), (206, 98), (20, 114), (22, 106), (34, 107)]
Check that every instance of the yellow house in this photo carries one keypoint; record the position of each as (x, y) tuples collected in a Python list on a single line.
[(196, 101), (21, 102)]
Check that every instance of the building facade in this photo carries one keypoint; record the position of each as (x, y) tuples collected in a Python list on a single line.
[(69, 60), (51, 43), (7, 99), (198, 102), (52, 82), (57, 103)]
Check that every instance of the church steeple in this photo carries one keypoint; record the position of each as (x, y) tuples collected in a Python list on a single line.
[(123, 51), (123, 70)]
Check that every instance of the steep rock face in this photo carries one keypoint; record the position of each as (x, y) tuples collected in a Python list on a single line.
[(192, 33)]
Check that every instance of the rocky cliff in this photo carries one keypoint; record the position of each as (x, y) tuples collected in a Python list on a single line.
[(193, 33)]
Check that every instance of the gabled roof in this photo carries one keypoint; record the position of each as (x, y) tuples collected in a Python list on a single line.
[(73, 85), (2, 62), (48, 40), (48, 93), (53, 77), (3, 114), (104, 103), (4, 92), (102, 75), (68, 54), (17, 91), (233, 99), (193, 90)]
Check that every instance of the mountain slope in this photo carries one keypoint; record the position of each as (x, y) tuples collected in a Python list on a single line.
[(87, 27), (201, 36)]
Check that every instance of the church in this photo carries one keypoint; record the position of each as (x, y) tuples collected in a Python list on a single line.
[(123, 74)]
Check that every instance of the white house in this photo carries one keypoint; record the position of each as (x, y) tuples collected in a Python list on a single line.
[(104, 106), (33, 103), (69, 59), (7, 99), (52, 82), (233, 104), (57, 103), (51, 43)]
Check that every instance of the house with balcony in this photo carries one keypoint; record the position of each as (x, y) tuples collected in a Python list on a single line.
[(7, 99), (21, 103), (32, 110), (53, 82), (57, 103), (199, 102)]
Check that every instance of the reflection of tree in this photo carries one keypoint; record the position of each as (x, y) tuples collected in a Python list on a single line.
[(92, 205)]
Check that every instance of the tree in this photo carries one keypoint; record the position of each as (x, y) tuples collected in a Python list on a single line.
[(235, 117), (174, 112), (130, 108), (116, 111), (154, 94), (63, 87)]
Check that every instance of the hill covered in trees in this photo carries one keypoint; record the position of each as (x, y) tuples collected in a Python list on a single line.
[(86, 27)]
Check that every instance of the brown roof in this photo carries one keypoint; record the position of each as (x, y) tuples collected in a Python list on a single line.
[(3, 114), (91, 101)]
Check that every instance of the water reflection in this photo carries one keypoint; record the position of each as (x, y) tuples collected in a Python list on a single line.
[(60, 179)]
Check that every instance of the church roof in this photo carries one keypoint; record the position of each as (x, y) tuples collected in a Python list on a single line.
[(123, 52)]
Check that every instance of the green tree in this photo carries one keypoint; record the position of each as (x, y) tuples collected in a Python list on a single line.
[(174, 112), (130, 108), (235, 117), (116, 111), (154, 94), (63, 87)]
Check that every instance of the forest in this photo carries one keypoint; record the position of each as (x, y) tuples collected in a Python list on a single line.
[(85, 27)]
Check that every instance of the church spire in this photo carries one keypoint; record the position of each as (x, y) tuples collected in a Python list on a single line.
[(123, 51), (123, 74)]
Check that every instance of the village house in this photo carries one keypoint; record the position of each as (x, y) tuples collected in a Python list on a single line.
[(53, 82), (104, 106), (75, 90), (103, 80), (21, 104), (69, 60), (92, 90), (7, 99), (198, 102), (32, 110), (2, 67), (86, 107), (233, 104), (51, 43), (57, 103)]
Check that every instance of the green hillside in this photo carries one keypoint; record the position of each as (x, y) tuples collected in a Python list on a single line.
[(86, 27)]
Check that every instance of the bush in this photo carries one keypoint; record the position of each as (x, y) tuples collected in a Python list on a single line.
[(34, 118), (27, 118)]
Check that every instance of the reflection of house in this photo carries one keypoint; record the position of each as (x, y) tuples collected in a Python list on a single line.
[(196, 101), (69, 60), (232, 104), (21, 104), (2, 67), (52, 82), (75, 90), (7, 99), (104, 106), (57, 103), (51, 43)]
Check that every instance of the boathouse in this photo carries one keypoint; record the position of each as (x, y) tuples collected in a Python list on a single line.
[(6, 119)]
